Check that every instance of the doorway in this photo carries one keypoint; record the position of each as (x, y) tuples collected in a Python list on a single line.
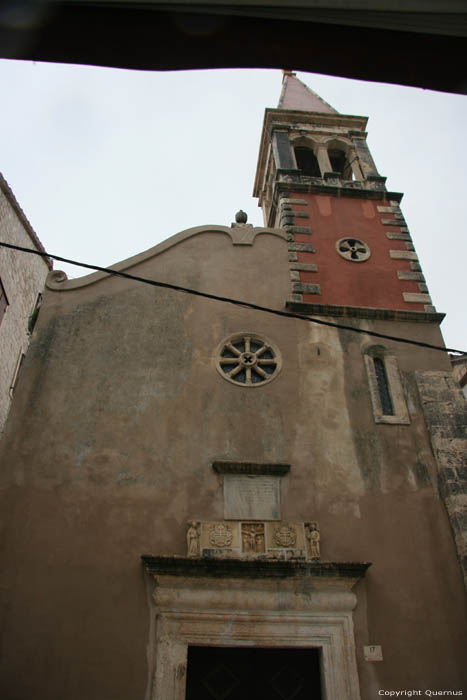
[(251, 673)]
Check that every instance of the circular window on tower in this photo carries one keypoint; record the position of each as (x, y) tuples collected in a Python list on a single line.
[(247, 359), (353, 249)]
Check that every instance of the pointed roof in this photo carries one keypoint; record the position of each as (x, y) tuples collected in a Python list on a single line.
[(297, 96)]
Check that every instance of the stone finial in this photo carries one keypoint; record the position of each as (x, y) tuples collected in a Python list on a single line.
[(241, 217)]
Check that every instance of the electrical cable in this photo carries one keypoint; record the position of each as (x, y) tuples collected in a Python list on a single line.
[(229, 300)]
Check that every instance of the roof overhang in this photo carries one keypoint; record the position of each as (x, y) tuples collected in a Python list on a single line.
[(411, 42)]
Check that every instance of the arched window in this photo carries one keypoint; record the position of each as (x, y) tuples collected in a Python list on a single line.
[(339, 163), (386, 392), (307, 161)]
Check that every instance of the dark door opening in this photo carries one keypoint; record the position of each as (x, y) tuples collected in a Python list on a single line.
[(225, 673)]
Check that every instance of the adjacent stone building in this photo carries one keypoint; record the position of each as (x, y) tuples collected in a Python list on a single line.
[(459, 370), (22, 280), (206, 500)]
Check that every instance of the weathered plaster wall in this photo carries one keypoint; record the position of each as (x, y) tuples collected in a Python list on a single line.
[(23, 277), (118, 417)]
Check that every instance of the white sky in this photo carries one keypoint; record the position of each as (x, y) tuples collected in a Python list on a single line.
[(106, 163)]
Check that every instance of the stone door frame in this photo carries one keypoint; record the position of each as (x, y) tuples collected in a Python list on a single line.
[(278, 612)]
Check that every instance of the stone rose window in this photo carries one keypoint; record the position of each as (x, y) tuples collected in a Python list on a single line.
[(353, 249), (247, 359)]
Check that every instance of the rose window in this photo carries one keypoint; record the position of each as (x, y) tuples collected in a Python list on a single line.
[(248, 360), (353, 249)]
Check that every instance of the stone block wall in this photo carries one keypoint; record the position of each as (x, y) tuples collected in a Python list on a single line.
[(445, 411), (23, 278)]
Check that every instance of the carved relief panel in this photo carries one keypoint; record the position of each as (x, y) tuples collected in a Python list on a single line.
[(253, 540)]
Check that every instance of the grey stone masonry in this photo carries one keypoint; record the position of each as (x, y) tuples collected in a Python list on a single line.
[(397, 221), (286, 200), (305, 288), (403, 255), (408, 275), (293, 257), (416, 298), (303, 247), (301, 214), (445, 411), (298, 229), (23, 278), (389, 210), (415, 266), (306, 267), (398, 236)]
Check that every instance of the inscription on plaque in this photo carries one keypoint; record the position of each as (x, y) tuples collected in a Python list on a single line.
[(251, 497)]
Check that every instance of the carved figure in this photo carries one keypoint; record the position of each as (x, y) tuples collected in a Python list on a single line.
[(192, 539), (313, 537), (220, 535), (253, 537)]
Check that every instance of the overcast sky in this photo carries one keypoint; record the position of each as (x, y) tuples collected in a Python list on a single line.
[(106, 163)]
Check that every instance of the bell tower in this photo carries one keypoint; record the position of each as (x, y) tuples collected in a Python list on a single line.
[(348, 243)]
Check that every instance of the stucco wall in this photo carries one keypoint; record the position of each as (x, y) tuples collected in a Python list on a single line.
[(118, 417), (23, 277)]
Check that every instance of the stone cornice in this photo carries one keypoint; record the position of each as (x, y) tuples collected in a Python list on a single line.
[(252, 569), (308, 309), (303, 184)]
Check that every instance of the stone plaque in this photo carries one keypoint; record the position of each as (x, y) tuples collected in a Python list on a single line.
[(373, 653), (251, 497)]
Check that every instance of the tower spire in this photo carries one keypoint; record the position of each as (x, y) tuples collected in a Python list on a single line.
[(295, 95)]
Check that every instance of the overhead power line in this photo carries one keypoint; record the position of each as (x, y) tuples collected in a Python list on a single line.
[(229, 300)]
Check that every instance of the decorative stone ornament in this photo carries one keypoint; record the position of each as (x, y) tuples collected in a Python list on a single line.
[(220, 535), (313, 540), (247, 359), (353, 249), (192, 539), (285, 536), (241, 217)]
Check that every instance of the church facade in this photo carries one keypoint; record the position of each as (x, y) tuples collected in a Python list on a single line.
[(207, 500)]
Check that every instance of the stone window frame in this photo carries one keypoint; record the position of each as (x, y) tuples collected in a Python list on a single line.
[(239, 612), (396, 391), (256, 338)]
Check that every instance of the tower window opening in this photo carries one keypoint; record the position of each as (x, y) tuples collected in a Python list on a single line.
[(307, 161), (339, 163), (383, 387)]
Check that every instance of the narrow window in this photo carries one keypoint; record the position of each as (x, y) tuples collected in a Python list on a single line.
[(3, 301), (383, 387), (307, 161), (339, 163)]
